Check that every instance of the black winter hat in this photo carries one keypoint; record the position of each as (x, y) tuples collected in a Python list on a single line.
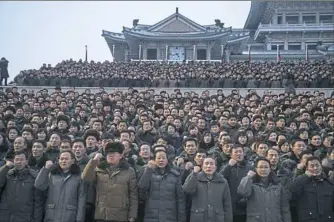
[(114, 147), (64, 118), (93, 133), (158, 106)]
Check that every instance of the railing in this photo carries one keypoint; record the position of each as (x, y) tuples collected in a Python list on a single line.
[(293, 27), (226, 91), (162, 61)]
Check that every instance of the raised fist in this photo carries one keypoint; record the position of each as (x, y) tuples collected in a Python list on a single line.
[(197, 169), (300, 166), (251, 173), (98, 156), (10, 164), (151, 164), (189, 166), (48, 164), (232, 162), (180, 161)]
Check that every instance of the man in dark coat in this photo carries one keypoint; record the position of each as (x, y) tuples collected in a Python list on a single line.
[(233, 172), (313, 193), (4, 70), (211, 199), (25, 205)]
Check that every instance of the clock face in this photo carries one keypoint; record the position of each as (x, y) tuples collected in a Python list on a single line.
[(176, 53)]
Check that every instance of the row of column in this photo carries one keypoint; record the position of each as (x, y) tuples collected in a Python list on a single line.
[(143, 50)]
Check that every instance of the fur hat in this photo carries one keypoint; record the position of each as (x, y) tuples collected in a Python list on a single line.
[(158, 106), (93, 133), (114, 147), (64, 118)]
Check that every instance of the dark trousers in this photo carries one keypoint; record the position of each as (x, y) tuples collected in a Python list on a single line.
[(239, 218), (2, 81)]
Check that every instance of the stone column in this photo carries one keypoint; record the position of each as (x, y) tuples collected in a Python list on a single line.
[(284, 18), (268, 45), (194, 53), (300, 18), (145, 52), (158, 52), (274, 20), (208, 51), (286, 46), (317, 18), (139, 52)]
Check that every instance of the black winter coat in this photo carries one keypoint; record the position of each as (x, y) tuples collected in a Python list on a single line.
[(163, 195), (20, 201), (314, 198)]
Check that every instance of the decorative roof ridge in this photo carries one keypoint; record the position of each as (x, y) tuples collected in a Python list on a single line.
[(105, 32), (195, 24)]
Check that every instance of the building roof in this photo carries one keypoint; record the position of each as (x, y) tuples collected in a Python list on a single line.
[(178, 27), (255, 14)]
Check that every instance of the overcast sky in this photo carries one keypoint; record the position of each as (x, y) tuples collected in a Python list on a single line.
[(33, 33)]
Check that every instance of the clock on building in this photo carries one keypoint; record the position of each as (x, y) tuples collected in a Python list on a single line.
[(176, 53)]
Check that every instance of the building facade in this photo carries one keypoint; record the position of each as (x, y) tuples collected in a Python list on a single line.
[(292, 26)]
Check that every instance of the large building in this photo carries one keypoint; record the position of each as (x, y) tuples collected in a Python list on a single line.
[(292, 26)]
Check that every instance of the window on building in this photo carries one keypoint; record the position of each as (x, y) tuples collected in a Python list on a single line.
[(201, 54), (274, 47), (326, 18), (294, 46), (292, 19), (309, 18), (279, 19), (151, 54), (312, 46)]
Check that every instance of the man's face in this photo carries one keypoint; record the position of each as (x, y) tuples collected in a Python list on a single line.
[(314, 167), (37, 149), (298, 147), (91, 141), (237, 154), (145, 151), (273, 157), (27, 135), (125, 136), (20, 161), (199, 158), (79, 149), (190, 147), (209, 166)]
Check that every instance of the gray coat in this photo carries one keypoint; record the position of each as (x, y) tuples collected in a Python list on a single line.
[(20, 201), (211, 199), (163, 195), (264, 203), (66, 196)]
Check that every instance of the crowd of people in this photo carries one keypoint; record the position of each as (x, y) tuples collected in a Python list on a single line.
[(159, 157), (306, 74)]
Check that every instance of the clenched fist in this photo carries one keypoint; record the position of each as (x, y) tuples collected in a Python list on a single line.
[(10, 164), (189, 166), (232, 162), (251, 173), (48, 164), (197, 169), (98, 156), (151, 164), (180, 161)]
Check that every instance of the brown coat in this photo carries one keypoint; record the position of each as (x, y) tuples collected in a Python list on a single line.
[(116, 192)]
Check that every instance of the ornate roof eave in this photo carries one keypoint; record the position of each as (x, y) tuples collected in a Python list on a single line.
[(255, 13), (118, 37), (238, 39), (191, 22), (178, 37)]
